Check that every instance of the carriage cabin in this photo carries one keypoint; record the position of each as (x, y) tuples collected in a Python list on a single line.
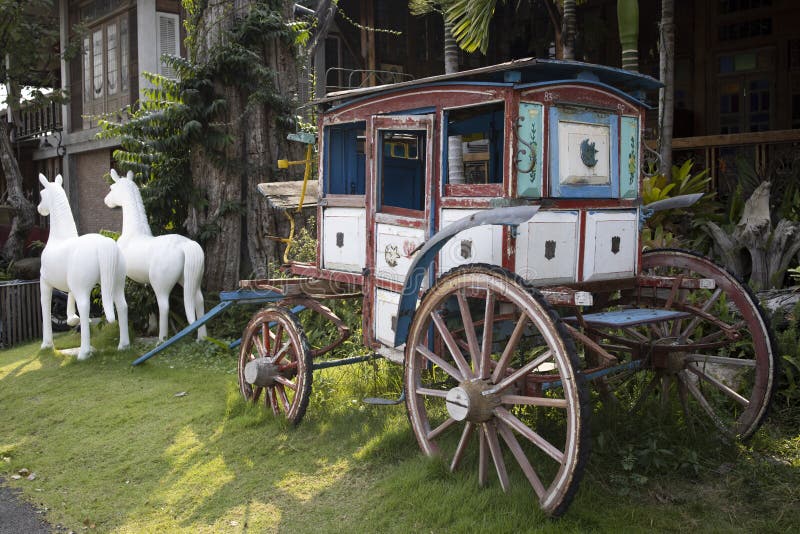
[(401, 162)]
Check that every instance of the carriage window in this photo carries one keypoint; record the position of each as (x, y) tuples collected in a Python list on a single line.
[(475, 145), (345, 163), (402, 169)]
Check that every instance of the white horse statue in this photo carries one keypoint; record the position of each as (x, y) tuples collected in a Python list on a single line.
[(161, 261), (75, 264)]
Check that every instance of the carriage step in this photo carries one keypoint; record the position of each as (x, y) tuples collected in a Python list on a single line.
[(630, 317)]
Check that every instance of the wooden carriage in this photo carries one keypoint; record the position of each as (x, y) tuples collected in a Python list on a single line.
[(490, 221)]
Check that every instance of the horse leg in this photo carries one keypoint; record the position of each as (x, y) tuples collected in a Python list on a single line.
[(188, 303), (199, 310), (122, 314), (72, 317), (46, 292), (162, 297), (82, 300)]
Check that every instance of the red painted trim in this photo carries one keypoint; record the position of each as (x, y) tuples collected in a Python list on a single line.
[(388, 285), (473, 190), (509, 158), (397, 220), (579, 94), (466, 203), (401, 212), (440, 97), (320, 189), (545, 150), (581, 243)]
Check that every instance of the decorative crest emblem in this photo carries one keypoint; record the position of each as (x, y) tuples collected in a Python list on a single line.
[(615, 244), (588, 152), (391, 254), (549, 249)]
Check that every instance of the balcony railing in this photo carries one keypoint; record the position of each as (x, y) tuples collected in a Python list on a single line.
[(34, 122), (763, 154)]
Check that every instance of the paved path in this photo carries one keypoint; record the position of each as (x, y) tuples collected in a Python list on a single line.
[(17, 516)]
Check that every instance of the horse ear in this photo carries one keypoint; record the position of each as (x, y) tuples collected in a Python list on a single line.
[(130, 175), (59, 180), (43, 180), (114, 175)]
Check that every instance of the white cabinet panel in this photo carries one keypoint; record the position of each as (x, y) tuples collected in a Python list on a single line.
[(611, 244), (483, 244), (344, 239), (547, 248), (393, 248), (386, 316)]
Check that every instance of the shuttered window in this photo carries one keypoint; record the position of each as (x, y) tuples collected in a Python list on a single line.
[(168, 42)]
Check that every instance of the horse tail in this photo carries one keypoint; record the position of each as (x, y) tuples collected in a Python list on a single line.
[(109, 256), (193, 266)]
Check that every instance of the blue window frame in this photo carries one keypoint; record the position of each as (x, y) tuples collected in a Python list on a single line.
[(584, 153)]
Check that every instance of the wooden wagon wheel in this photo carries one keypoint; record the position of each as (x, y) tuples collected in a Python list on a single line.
[(717, 355), (275, 361), (472, 391)]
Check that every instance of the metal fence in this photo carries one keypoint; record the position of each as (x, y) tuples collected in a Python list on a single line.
[(20, 312)]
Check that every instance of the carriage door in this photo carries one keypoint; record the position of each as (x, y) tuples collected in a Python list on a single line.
[(402, 169)]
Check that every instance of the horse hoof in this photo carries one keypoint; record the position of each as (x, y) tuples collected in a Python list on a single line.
[(123, 346), (84, 355), (47, 345), (73, 320)]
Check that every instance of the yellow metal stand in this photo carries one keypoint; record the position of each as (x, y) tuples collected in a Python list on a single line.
[(285, 164)]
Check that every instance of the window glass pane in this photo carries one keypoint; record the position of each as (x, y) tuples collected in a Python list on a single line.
[(113, 82), (97, 56), (123, 53), (402, 169), (475, 144), (345, 162), (87, 70)]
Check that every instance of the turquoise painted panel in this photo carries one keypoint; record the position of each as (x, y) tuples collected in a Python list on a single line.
[(629, 157), (530, 148)]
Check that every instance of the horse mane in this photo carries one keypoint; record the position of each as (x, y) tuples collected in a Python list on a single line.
[(137, 206), (61, 212)]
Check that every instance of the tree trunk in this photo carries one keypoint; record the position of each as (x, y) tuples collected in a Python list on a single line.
[(666, 101), (628, 22), (556, 19), (568, 35), (239, 247), (24, 212), (450, 49)]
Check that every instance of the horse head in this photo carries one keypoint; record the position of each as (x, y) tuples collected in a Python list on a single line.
[(120, 193), (49, 193)]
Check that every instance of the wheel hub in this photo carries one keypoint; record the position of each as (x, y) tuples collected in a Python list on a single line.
[(467, 402), (261, 372), (665, 357)]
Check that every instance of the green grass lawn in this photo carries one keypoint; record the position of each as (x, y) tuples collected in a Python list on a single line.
[(114, 449)]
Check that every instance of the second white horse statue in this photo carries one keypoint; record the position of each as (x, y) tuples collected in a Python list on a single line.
[(76, 264), (161, 261)]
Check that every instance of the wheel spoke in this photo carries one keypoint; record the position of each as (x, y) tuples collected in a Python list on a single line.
[(452, 346), (497, 454), (522, 460), (516, 375), (462, 446), (278, 338), (279, 354), (529, 434), (719, 385), (272, 401), (441, 428), (698, 395), (534, 401), (259, 345), (265, 338), (283, 398), (488, 334), (257, 393), (696, 319), (446, 367), (286, 382), (469, 326), (516, 335)]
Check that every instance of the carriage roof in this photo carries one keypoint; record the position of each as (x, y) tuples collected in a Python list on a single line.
[(520, 73)]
